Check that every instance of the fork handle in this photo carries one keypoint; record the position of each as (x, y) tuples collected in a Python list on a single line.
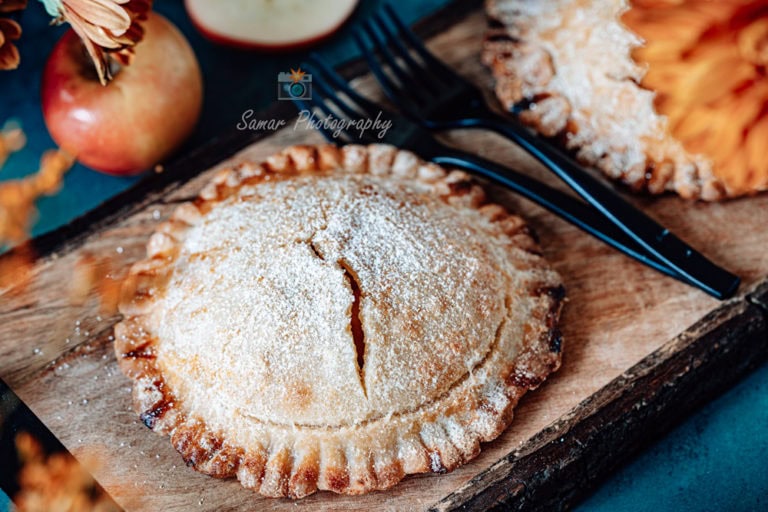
[(565, 206), (651, 236)]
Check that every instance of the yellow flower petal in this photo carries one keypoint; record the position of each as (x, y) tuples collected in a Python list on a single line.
[(705, 63)]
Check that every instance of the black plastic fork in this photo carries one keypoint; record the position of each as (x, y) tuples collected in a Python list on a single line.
[(338, 125), (437, 97)]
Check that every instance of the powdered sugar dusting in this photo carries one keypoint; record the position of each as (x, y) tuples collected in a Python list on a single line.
[(238, 331), (256, 318)]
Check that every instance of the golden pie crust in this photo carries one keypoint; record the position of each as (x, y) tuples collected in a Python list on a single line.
[(335, 319), (644, 112)]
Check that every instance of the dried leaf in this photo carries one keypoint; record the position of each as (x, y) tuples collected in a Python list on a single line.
[(17, 197), (12, 5), (107, 15), (9, 55), (56, 481), (108, 28), (12, 139)]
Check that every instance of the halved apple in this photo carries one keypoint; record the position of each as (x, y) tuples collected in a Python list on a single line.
[(269, 24)]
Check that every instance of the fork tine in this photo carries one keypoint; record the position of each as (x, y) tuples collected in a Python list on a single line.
[(326, 133), (329, 94), (390, 88), (437, 65), (404, 76), (416, 69), (326, 98), (321, 102), (343, 133), (366, 106)]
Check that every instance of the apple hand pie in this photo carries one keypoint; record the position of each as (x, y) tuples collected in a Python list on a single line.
[(335, 319)]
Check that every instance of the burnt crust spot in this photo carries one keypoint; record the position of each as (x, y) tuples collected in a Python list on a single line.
[(495, 23), (557, 295), (555, 341), (150, 416), (461, 187), (529, 231), (144, 351)]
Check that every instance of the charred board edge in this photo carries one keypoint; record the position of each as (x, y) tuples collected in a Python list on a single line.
[(156, 185), (564, 463)]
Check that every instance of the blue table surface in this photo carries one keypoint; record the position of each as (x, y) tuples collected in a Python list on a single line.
[(716, 460)]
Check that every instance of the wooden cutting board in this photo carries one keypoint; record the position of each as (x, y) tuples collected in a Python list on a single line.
[(641, 350)]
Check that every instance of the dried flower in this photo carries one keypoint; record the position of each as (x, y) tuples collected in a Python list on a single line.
[(108, 28), (12, 139), (17, 197), (9, 54), (9, 31), (12, 5), (56, 481)]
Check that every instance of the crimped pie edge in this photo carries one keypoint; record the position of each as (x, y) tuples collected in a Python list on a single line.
[(350, 460)]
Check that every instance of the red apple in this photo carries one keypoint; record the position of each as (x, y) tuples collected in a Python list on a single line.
[(140, 117), (269, 25)]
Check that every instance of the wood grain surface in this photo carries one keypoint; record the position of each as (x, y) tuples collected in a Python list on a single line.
[(641, 349)]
